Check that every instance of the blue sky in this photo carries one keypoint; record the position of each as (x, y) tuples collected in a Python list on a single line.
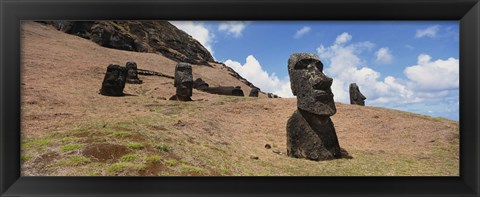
[(408, 65)]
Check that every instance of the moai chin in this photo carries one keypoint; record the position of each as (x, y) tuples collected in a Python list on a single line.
[(254, 92), (183, 82), (356, 97), (132, 73), (310, 131), (114, 81)]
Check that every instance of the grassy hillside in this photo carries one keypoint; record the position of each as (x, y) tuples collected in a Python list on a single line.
[(70, 129)]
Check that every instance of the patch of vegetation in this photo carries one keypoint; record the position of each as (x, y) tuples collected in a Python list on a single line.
[(191, 169), (154, 158), (70, 147), (69, 139), (39, 144), (163, 148), (74, 161), (124, 166), (129, 157), (134, 145), (25, 157), (171, 162), (121, 134)]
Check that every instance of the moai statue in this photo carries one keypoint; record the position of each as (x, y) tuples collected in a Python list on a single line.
[(275, 96), (254, 92), (356, 97), (132, 73), (269, 95), (310, 131), (183, 82), (199, 84), (114, 81)]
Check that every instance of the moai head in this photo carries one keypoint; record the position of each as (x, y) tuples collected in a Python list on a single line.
[(183, 80), (200, 84), (269, 95), (310, 85), (356, 97), (132, 73), (254, 92), (114, 81)]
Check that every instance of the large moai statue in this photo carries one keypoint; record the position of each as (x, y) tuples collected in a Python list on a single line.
[(132, 73), (114, 81), (254, 92), (356, 97), (310, 131), (183, 82)]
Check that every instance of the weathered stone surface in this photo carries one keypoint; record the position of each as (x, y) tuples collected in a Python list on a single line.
[(312, 136), (183, 82), (142, 36), (310, 131), (114, 81), (226, 90), (132, 73), (310, 85), (356, 97), (254, 92), (199, 84)]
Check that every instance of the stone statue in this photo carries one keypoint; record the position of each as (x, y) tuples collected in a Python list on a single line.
[(183, 82), (254, 92), (132, 73), (225, 90), (199, 84), (310, 131), (114, 81), (356, 97)]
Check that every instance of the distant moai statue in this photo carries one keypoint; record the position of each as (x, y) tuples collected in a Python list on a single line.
[(132, 73), (199, 84), (183, 82), (275, 96), (356, 97), (114, 81), (254, 92), (269, 95), (310, 131)]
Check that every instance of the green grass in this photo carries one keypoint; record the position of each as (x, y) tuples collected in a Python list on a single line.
[(124, 166), (191, 169), (74, 161), (134, 145), (70, 147), (163, 148), (25, 157), (129, 157), (171, 162), (154, 158)]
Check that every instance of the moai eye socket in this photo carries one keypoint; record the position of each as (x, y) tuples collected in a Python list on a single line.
[(303, 64)]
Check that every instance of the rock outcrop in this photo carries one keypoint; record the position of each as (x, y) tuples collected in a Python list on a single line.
[(141, 36)]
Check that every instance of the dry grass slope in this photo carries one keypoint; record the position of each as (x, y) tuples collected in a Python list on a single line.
[(69, 129)]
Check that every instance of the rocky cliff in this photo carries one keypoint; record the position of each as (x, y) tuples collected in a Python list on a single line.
[(141, 36)]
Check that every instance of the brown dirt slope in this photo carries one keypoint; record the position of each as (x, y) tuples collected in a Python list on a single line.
[(70, 129)]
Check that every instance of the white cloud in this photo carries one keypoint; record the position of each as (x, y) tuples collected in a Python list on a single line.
[(234, 28), (343, 38), (428, 32), (253, 72), (198, 31), (301, 32), (431, 82), (383, 55), (434, 75)]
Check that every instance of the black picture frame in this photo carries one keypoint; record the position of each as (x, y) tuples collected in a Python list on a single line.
[(465, 11)]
